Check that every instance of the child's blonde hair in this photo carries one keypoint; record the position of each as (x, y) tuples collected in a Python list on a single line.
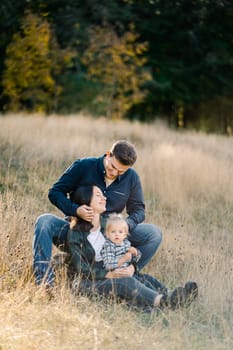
[(114, 218)]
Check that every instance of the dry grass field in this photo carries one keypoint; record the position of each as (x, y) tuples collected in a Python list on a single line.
[(188, 184)]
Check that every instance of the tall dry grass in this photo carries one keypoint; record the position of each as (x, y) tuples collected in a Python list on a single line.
[(188, 184)]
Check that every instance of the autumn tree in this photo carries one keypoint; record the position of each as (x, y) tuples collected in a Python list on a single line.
[(119, 64), (33, 61)]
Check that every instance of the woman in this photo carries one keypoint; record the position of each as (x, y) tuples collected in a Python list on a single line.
[(84, 243)]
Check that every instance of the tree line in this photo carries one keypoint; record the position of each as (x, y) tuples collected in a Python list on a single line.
[(136, 59)]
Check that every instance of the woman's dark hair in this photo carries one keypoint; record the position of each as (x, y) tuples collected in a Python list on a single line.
[(82, 195)]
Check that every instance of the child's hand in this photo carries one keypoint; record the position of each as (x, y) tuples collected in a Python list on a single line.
[(133, 251), (127, 257)]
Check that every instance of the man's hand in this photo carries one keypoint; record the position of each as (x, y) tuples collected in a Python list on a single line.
[(85, 212), (124, 272)]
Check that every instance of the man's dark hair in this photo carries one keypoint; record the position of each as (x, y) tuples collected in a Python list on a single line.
[(124, 152)]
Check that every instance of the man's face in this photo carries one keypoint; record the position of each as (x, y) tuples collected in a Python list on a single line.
[(113, 167)]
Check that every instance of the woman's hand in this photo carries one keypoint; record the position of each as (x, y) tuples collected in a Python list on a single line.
[(119, 273)]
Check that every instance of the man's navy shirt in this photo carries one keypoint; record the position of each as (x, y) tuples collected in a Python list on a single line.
[(124, 193)]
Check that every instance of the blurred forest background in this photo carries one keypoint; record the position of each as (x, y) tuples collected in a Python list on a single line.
[(132, 59)]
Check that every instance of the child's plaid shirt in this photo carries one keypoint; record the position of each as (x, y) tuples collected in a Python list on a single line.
[(112, 252)]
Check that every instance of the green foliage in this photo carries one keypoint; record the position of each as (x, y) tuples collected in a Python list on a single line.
[(33, 60), (217, 112), (78, 94), (189, 52), (117, 62)]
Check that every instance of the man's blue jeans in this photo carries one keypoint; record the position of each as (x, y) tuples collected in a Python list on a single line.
[(51, 229)]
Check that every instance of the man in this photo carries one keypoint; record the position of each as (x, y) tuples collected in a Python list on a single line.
[(121, 185)]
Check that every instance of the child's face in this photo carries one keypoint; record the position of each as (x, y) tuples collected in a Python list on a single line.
[(117, 232)]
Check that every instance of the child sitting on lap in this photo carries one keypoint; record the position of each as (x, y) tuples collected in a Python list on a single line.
[(117, 251)]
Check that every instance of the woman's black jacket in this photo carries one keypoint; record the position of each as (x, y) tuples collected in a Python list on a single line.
[(81, 257)]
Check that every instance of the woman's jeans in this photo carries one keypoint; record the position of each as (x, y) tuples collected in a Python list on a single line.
[(139, 290), (51, 229)]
